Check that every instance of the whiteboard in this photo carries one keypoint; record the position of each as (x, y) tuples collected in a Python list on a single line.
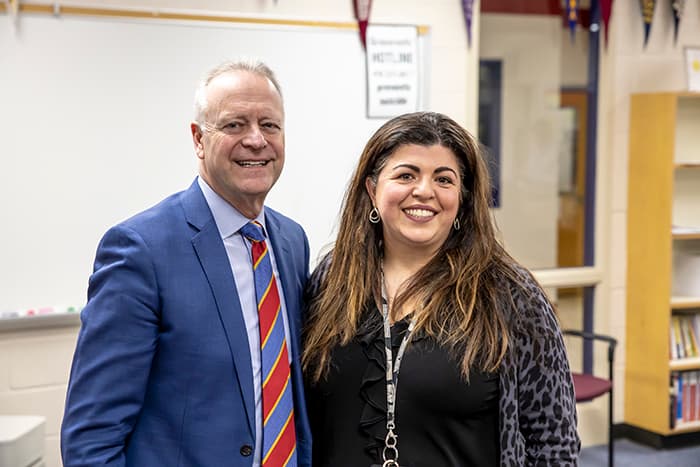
[(95, 113)]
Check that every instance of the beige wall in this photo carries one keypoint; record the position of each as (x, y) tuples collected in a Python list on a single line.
[(574, 58), (530, 50)]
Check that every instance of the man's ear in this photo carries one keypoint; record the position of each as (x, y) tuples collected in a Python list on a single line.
[(197, 139)]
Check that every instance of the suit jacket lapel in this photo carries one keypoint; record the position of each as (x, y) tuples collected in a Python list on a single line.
[(210, 250)]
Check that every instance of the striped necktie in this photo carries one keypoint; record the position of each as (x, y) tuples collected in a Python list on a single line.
[(279, 438)]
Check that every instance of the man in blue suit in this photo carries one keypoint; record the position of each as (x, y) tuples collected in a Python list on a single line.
[(167, 369)]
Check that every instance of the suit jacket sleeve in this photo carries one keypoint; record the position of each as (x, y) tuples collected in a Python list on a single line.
[(115, 348)]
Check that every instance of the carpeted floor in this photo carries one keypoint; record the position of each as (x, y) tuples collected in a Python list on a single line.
[(631, 454)]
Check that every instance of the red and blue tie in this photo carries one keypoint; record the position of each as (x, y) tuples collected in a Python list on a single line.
[(279, 438)]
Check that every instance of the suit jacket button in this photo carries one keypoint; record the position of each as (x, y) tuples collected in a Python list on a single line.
[(246, 450)]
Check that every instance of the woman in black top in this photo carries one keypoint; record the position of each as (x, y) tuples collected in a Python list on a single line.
[(417, 291)]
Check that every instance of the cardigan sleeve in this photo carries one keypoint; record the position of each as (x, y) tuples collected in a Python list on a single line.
[(546, 403)]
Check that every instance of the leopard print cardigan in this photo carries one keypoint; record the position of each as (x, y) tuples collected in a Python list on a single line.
[(537, 404)]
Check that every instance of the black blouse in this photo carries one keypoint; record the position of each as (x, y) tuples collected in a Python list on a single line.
[(440, 419)]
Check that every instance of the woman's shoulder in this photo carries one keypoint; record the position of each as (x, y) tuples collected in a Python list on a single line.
[(531, 311)]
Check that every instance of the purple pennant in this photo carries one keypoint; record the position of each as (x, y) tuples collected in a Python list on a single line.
[(677, 7), (647, 16), (468, 9), (572, 16)]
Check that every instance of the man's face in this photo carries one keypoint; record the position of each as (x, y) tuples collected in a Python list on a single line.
[(241, 143)]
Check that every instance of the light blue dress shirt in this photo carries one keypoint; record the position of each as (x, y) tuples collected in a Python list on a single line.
[(229, 221)]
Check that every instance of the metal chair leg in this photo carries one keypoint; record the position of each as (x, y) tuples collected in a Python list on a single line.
[(611, 459)]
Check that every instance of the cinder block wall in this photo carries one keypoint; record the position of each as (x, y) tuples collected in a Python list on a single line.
[(34, 368)]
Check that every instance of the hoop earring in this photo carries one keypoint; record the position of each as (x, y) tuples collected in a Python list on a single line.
[(374, 216), (456, 224)]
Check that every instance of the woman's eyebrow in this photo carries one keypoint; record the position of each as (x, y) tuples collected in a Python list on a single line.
[(445, 169), (407, 166)]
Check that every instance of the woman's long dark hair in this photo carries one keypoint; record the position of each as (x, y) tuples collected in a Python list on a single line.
[(459, 291)]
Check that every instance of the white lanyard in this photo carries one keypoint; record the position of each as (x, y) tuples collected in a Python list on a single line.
[(390, 452)]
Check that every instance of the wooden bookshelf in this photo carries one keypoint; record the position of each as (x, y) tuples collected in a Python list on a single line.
[(662, 203)]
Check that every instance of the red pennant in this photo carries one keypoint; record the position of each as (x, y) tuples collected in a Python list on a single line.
[(362, 8), (605, 13)]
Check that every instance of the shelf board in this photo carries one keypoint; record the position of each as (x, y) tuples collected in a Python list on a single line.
[(686, 235), (687, 165), (686, 427), (683, 364), (678, 302)]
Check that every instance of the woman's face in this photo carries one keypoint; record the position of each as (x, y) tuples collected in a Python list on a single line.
[(417, 194)]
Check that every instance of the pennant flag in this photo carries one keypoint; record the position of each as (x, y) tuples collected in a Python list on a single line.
[(605, 12), (647, 16), (362, 8), (13, 10), (13, 7), (677, 7), (468, 9), (572, 16)]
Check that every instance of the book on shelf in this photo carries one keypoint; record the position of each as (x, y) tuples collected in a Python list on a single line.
[(673, 346), (684, 397), (684, 336), (691, 348), (673, 401), (692, 396), (677, 349)]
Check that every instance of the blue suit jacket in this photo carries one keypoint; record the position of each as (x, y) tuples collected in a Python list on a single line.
[(161, 375)]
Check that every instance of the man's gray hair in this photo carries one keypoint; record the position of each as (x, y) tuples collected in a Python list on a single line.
[(253, 66)]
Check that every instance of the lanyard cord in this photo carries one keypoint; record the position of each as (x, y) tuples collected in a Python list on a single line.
[(390, 452)]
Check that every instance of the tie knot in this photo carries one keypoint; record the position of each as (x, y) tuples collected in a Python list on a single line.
[(253, 231)]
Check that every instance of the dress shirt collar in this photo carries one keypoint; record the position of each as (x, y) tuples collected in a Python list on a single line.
[(228, 219)]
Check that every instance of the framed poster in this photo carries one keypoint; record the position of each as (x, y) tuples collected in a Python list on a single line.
[(392, 70), (692, 66)]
